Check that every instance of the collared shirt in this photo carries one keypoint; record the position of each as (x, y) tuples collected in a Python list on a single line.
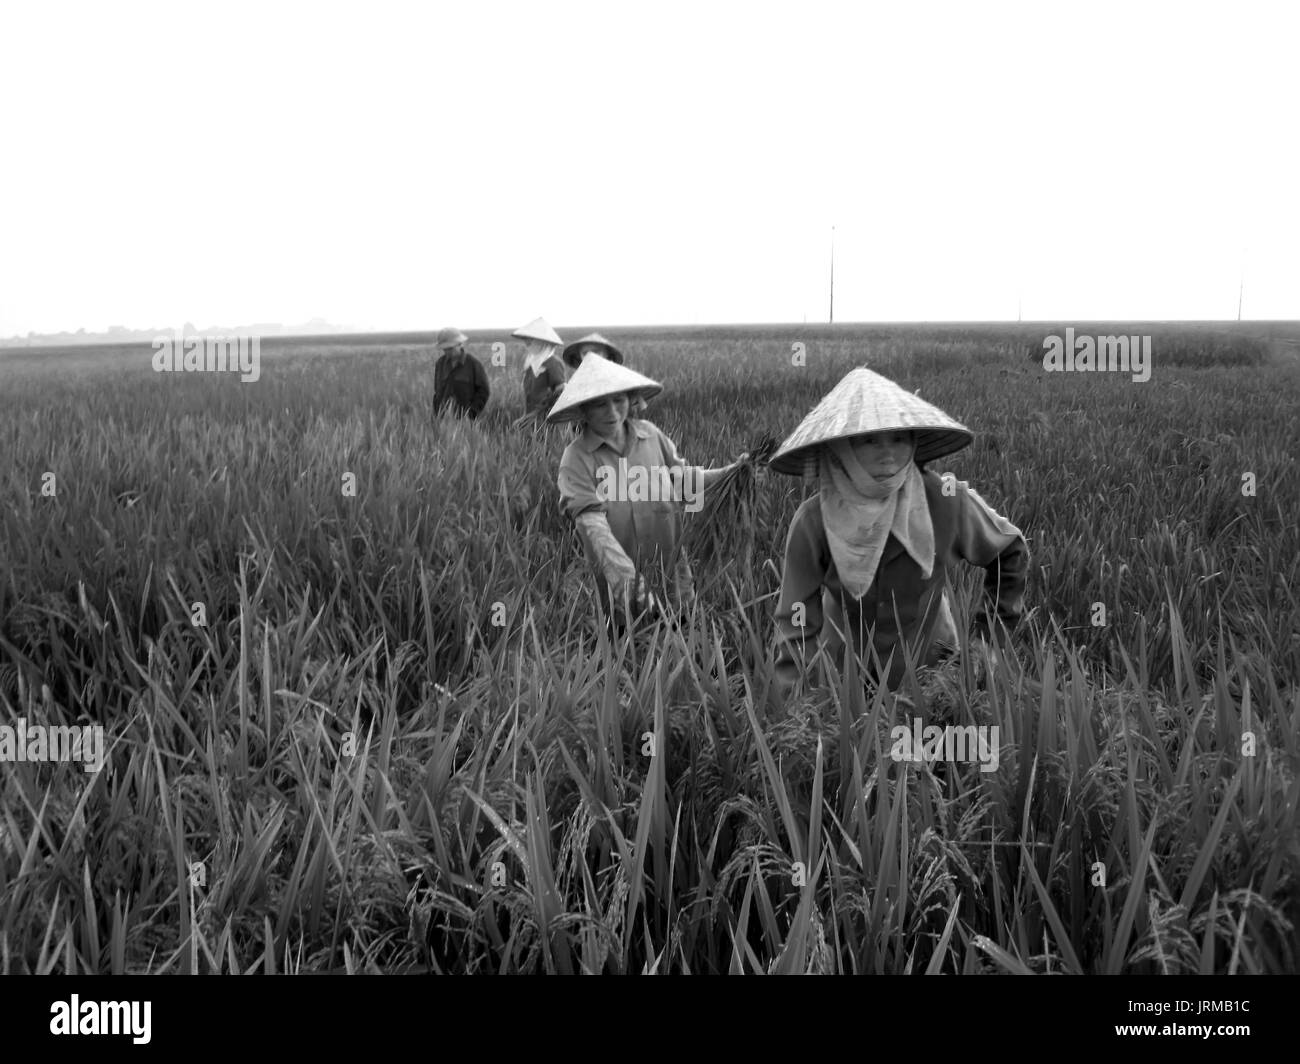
[(649, 529), (461, 383), (901, 606)]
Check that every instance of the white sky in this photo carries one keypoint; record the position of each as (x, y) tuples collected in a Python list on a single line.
[(407, 166)]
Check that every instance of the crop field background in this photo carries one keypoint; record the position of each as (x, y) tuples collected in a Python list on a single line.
[(402, 742)]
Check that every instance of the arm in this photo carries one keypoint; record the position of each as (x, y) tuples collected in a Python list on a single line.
[(439, 374), (481, 390), (702, 478), (580, 500), (709, 477), (614, 563), (577, 484), (801, 599), (556, 380), (987, 539), (555, 377)]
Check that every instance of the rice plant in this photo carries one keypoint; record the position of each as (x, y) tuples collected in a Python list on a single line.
[(399, 740)]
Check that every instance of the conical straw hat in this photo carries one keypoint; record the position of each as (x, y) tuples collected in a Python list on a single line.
[(594, 379), (867, 402), (538, 329), (613, 354)]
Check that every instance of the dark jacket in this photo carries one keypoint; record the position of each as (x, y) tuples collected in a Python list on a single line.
[(965, 529), (541, 390), (463, 385)]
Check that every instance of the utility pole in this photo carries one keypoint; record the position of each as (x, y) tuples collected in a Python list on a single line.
[(1241, 288), (832, 275)]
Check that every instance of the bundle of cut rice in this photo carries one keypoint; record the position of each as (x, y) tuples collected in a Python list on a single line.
[(723, 532)]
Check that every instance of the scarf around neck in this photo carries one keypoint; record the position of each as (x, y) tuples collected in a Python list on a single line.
[(859, 513), (536, 358)]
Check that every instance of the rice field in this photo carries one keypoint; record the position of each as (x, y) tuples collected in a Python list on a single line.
[(381, 729)]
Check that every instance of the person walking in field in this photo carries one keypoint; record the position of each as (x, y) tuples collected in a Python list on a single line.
[(595, 344), (627, 488), (868, 557), (544, 373), (460, 383)]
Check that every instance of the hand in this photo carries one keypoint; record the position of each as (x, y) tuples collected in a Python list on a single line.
[(643, 599), (986, 649), (635, 599), (688, 600), (756, 462), (986, 655)]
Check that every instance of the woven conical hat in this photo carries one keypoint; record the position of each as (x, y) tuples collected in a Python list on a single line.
[(594, 379), (571, 350), (867, 402), (538, 329)]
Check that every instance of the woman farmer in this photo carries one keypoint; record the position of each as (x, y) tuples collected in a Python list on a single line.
[(626, 487), (869, 555), (595, 344), (544, 373)]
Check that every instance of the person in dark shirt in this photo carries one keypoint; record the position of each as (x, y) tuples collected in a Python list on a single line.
[(576, 353), (459, 381), (871, 556), (544, 375)]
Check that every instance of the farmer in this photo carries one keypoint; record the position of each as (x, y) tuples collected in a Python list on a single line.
[(544, 373), (870, 553), (626, 487), (595, 344), (459, 381)]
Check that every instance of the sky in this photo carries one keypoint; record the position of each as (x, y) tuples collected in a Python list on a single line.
[(409, 166)]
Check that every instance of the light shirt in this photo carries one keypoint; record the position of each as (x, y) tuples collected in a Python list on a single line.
[(649, 529)]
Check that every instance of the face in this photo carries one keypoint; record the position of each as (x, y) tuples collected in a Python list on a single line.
[(883, 454), (606, 416), (590, 349), (534, 347)]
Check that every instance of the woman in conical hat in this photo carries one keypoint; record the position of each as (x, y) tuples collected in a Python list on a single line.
[(595, 344), (869, 555), (627, 488), (544, 373)]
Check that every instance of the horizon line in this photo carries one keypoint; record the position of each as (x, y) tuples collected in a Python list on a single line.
[(103, 339)]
